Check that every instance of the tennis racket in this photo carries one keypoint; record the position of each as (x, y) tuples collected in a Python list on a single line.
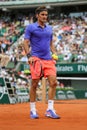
[(37, 67)]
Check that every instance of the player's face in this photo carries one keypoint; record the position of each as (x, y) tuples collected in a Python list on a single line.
[(42, 16)]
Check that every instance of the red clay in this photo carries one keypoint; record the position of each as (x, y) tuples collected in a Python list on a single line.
[(73, 116)]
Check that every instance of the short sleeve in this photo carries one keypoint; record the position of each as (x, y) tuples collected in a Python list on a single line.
[(27, 34)]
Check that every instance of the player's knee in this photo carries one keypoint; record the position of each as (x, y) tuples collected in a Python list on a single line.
[(35, 84), (53, 84)]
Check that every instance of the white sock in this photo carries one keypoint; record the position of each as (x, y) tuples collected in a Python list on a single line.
[(32, 106), (51, 104)]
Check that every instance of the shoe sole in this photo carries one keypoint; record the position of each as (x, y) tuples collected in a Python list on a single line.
[(52, 117), (34, 117)]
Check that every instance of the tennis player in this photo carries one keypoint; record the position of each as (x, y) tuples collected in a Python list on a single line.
[(38, 39)]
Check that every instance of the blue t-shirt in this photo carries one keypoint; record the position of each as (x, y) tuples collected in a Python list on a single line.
[(40, 39)]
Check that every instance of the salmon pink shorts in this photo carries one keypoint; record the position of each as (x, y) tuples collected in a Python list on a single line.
[(47, 67)]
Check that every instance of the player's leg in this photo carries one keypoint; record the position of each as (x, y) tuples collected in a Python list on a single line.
[(35, 79), (51, 93), (52, 87), (50, 73), (33, 112)]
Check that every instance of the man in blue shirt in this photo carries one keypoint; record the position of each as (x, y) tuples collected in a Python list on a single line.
[(38, 46)]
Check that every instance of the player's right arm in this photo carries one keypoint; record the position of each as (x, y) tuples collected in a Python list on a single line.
[(27, 50), (27, 46)]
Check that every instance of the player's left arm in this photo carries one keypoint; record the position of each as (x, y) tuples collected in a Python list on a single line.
[(54, 51)]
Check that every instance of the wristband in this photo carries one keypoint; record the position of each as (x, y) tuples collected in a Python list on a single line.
[(28, 55)]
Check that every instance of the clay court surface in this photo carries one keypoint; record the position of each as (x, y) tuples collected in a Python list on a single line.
[(73, 116)]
